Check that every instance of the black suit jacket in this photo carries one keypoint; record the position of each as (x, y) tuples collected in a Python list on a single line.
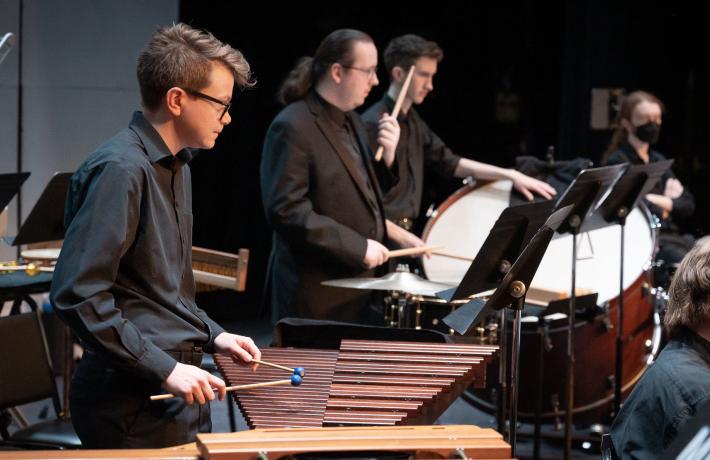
[(316, 202)]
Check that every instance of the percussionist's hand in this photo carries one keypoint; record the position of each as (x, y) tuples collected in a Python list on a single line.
[(387, 137), (673, 189), (193, 384), (376, 254), (238, 346), (404, 238), (528, 185)]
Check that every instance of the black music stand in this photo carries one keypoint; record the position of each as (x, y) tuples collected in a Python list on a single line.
[(514, 228), (637, 181), (46, 220), (512, 231), (9, 186), (584, 193), (511, 293)]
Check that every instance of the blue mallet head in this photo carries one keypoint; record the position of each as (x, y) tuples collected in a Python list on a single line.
[(296, 380), (299, 371)]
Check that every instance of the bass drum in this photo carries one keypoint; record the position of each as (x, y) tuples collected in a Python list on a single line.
[(461, 225)]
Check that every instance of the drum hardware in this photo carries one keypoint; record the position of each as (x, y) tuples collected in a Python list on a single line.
[(546, 340), (504, 267), (606, 319), (469, 181), (555, 400), (30, 268)]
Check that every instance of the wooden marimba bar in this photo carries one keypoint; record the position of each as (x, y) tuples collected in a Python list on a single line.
[(454, 441), (364, 383)]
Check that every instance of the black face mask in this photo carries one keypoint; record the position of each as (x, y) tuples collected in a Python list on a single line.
[(648, 132)]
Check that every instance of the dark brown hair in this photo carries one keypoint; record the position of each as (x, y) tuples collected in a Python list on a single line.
[(181, 56), (628, 105), (689, 295), (336, 47), (404, 51)]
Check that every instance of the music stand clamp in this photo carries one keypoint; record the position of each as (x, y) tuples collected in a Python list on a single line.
[(637, 181), (588, 189), (511, 293)]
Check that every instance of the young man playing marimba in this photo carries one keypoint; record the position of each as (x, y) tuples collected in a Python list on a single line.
[(123, 281)]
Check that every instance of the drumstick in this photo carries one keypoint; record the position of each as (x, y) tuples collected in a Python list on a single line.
[(294, 378), (412, 251), (452, 256), (397, 107), (296, 370)]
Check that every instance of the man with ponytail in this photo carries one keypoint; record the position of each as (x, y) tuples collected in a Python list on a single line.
[(320, 189)]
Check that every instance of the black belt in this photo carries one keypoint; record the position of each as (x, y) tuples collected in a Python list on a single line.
[(186, 354), (192, 355)]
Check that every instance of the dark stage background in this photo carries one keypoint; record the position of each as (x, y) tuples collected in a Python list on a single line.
[(515, 79)]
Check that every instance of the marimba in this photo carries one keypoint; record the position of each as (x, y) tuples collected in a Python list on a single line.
[(364, 383), (454, 441)]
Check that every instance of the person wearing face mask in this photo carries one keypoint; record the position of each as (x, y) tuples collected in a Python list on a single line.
[(638, 128)]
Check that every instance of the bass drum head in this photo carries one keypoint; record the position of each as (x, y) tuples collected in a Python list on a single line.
[(464, 220), (461, 225)]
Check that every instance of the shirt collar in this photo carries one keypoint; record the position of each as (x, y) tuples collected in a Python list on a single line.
[(633, 156), (336, 115), (389, 103), (155, 146)]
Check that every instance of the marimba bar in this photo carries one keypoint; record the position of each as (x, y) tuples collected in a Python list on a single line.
[(364, 383)]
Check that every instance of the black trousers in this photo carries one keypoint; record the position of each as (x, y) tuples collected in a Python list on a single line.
[(111, 408)]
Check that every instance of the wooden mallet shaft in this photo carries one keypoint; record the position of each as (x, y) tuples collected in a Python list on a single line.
[(276, 366), (397, 107), (232, 388), (412, 251)]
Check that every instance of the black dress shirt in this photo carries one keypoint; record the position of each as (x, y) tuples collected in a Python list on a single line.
[(123, 281), (419, 151), (345, 128), (667, 396)]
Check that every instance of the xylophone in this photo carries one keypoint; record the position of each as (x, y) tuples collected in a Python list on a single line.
[(364, 383)]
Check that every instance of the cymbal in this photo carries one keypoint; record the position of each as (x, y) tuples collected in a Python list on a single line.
[(396, 281)]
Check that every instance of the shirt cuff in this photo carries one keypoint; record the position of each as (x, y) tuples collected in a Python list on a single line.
[(156, 363), (215, 331)]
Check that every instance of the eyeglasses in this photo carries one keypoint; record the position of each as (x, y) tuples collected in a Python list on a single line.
[(370, 73), (204, 96)]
